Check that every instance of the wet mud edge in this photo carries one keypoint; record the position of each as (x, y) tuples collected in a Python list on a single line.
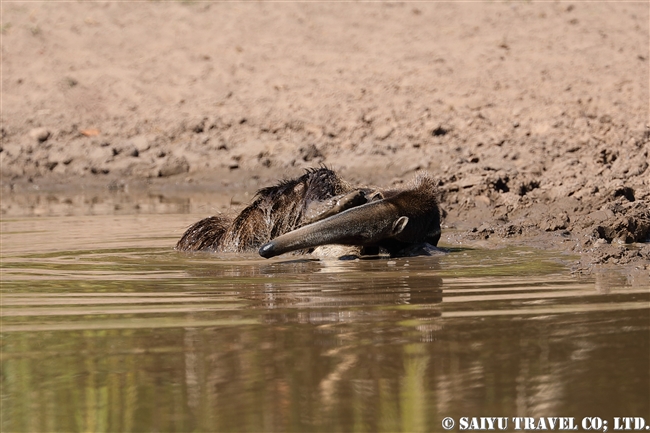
[(606, 230)]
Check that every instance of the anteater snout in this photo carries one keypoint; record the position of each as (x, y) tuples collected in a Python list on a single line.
[(268, 250)]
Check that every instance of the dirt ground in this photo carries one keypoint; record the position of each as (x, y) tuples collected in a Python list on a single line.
[(534, 116)]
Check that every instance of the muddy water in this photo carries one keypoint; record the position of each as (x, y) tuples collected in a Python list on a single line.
[(106, 328)]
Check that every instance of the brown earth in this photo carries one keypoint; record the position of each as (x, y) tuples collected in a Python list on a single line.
[(534, 116)]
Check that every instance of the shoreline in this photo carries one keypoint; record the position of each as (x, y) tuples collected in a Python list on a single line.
[(597, 233)]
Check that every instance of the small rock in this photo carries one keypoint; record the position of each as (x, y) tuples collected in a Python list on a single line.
[(470, 180), (369, 117), (383, 132), (140, 142), (173, 166), (141, 169), (555, 222), (197, 125), (126, 149), (39, 134)]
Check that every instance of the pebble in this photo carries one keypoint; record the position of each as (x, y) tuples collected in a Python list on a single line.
[(383, 132), (39, 134), (126, 149), (197, 125), (140, 142), (173, 166)]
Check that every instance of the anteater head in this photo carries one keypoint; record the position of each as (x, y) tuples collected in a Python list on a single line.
[(398, 218)]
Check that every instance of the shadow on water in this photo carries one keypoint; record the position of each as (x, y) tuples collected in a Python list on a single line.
[(106, 328)]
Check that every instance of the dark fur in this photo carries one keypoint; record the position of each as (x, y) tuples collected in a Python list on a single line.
[(278, 218), (275, 210), (395, 220)]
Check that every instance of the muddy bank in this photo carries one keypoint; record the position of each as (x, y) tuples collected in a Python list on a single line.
[(534, 117)]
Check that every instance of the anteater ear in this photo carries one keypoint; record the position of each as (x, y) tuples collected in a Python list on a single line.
[(399, 225)]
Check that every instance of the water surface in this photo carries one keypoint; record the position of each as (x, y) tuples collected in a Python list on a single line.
[(106, 328)]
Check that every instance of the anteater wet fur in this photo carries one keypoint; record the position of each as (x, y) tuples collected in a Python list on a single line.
[(318, 209)]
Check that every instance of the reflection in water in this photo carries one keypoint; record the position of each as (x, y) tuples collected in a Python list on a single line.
[(118, 201), (143, 339)]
